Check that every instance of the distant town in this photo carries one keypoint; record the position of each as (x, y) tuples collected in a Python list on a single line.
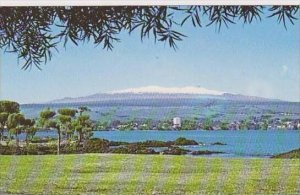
[(265, 122)]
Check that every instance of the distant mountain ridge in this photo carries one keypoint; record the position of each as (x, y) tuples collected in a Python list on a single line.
[(159, 93), (169, 90)]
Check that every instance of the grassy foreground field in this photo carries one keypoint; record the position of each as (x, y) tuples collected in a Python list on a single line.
[(146, 174)]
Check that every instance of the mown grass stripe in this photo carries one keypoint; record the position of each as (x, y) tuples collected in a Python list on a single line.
[(204, 180), (124, 174), (188, 168), (6, 163), (145, 174), (283, 175), (54, 175), (80, 161), (71, 180), (85, 173), (4, 159), (110, 175), (150, 168), (163, 174), (272, 181), (223, 175), (45, 170), (212, 178), (292, 181), (264, 175), (32, 176), (173, 175), (194, 181), (153, 175), (23, 169), (251, 182), (61, 182), (233, 172), (101, 165), (133, 180), (297, 189), (243, 176)]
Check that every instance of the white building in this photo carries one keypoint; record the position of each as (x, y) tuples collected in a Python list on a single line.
[(177, 122)]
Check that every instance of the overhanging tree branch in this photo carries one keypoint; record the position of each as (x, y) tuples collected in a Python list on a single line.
[(35, 32)]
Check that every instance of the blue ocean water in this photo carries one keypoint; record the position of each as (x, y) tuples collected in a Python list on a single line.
[(250, 143)]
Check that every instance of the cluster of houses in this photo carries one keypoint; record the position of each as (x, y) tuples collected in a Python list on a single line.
[(254, 123)]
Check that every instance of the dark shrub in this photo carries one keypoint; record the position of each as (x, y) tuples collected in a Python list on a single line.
[(32, 149), (42, 140), (153, 143), (96, 145), (291, 154), (9, 150), (175, 151), (219, 143), (40, 149), (120, 150), (71, 148), (181, 141), (114, 143), (205, 152), (133, 149)]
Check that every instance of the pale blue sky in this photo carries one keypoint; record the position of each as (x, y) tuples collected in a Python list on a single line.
[(260, 59)]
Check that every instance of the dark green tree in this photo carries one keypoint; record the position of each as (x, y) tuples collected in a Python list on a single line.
[(46, 121), (7, 108), (3, 122), (207, 124), (224, 125), (146, 125), (65, 121), (35, 32), (83, 126), (15, 122), (83, 109), (188, 124), (30, 129), (46, 118), (264, 125)]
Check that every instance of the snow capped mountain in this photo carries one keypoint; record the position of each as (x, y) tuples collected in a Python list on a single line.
[(169, 90), (164, 95)]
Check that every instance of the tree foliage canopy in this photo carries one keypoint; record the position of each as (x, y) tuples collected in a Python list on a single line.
[(9, 107), (46, 118), (67, 112), (3, 118), (47, 113), (34, 32), (15, 120)]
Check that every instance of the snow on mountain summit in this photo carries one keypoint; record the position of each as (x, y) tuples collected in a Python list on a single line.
[(169, 90)]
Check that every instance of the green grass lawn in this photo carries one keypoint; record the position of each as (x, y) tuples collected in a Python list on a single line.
[(146, 174)]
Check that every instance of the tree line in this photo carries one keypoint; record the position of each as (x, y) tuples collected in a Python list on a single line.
[(67, 122)]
